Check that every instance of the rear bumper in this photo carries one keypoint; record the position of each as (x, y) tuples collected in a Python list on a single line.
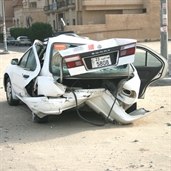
[(103, 105)]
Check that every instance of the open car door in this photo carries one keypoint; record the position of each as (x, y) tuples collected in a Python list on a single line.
[(150, 66), (27, 69)]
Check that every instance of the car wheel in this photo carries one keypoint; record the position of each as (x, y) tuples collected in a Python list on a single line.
[(37, 119), (10, 100)]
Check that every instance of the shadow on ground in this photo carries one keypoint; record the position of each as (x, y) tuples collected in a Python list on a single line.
[(17, 126)]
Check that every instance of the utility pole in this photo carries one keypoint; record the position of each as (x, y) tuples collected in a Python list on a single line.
[(164, 28), (4, 28)]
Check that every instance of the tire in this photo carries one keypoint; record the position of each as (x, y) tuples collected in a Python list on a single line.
[(37, 119), (10, 100)]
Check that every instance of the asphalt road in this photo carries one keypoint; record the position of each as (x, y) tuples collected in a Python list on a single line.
[(12, 48)]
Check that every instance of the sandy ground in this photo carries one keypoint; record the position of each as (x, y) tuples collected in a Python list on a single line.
[(67, 143)]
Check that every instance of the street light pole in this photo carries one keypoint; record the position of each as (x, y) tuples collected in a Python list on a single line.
[(4, 28), (164, 28)]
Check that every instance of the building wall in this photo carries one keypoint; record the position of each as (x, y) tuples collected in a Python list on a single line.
[(139, 26), (25, 14), (50, 20), (70, 16), (93, 17), (9, 14)]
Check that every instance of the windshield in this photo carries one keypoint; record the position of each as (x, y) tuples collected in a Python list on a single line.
[(56, 59), (24, 37), (10, 38)]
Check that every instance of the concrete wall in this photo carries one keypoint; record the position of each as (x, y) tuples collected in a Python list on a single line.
[(138, 26), (93, 17)]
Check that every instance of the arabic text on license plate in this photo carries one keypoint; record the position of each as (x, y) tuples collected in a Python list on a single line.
[(100, 61)]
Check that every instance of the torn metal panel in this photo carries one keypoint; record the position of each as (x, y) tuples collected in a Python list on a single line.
[(104, 103), (48, 87), (57, 105), (128, 90)]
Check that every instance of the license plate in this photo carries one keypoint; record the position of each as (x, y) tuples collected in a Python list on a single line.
[(101, 61)]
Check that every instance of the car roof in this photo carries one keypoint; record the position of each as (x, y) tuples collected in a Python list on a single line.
[(22, 37), (10, 37)]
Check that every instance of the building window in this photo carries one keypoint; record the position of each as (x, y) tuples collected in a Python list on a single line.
[(144, 10), (54, 26), (73, 21), (33, 5)]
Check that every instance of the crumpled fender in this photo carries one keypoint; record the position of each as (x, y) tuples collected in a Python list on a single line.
[(54, 106), (133, 86), (56, 89), (103, 104)]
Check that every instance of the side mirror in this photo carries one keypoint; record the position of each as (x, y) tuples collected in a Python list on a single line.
[(14, 61)]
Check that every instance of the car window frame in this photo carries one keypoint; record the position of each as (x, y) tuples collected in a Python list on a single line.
[(149, 74), (30, 54), (147, 51), (21, 63)]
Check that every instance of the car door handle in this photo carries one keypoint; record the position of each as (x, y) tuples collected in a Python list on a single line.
[(25, 76)]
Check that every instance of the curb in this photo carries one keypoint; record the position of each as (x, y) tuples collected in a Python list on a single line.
[(3, 53)]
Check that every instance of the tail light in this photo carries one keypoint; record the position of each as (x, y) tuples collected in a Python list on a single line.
[(128, 49), (73, 61)]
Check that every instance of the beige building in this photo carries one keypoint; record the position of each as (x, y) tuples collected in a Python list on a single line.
[(66, 9), (97, 19), (101, 19), (27, 12), (22, 13), (9, 14)]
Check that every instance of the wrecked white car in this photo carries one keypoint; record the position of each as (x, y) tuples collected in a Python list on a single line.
[(70, 72)]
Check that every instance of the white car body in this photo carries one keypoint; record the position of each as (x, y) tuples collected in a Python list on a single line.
[(22, 40), (10, 40), (108, 81)]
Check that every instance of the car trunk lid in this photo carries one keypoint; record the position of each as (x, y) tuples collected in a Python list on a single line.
[(98, 55)]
